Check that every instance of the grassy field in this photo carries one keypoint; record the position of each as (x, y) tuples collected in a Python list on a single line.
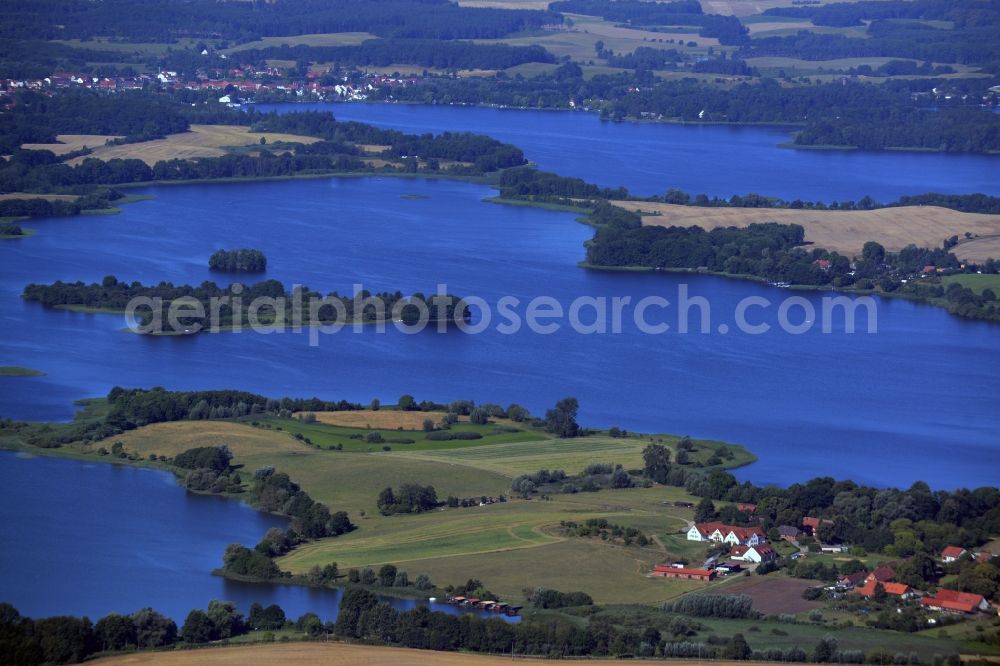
[(200, 141), (844, 231), (511, 546), (975, 282), (498, 542)]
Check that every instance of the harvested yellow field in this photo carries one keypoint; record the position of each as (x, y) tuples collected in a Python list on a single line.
[(200, 141), (70, 142), (979, 249), (381, 419), (843, 231), (334, 654), (169, 439)]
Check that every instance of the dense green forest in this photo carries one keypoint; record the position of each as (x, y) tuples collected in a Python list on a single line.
[(952, 131), (896, 28), (727, 29), (235, 304), (167, 20), (424, 52), (39, 118)]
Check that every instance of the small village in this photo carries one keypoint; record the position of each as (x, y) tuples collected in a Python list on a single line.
[(736, 549)]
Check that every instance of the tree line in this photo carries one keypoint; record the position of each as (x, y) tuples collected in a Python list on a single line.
[(727, 29), (167, 21), (895, 106), (447, 55)]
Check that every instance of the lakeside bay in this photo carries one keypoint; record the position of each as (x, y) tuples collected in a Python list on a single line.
[(718, 160)]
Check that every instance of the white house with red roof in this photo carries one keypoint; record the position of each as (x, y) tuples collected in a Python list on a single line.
[(734, 535), (757, 554), (953, 601), (952, 553)]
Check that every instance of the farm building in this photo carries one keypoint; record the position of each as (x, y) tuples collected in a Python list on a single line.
[(758, 554), (952, 553), (722, 533), (882, 574), (850, 580), (665, 571), (956, 602), (810, 524), (789, 533), (895, 589)]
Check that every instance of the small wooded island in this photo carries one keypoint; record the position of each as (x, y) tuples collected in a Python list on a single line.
[(166, 309), (238, 261)]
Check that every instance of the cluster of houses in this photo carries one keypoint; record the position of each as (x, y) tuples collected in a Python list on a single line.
[(747, 545), (243, 80), (867, 584), (485, 605)]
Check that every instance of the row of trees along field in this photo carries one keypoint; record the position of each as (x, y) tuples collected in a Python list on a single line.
[(364, 617), (160, 20), (423, 52)]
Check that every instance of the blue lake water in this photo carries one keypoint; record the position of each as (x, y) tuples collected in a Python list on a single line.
[(917, 400), (94, 538), (718, 160)]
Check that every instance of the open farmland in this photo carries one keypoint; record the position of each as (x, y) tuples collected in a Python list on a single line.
[(71, 142), (773, 595), (843, 231), (200, 141), (329, 654), (503, 542)]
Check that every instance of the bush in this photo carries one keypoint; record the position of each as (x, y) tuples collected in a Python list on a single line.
[(444, 436)]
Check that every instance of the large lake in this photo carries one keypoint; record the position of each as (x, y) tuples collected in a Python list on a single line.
[(95, 538), (917, 400), (718, 160)]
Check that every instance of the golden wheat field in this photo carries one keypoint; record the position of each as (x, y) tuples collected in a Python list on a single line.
[(843, 231), (200, 141), (332, 654)]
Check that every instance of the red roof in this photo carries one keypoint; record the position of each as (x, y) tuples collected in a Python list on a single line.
[(814, 523), (954, 600), (746, 507), (953, 551), (854, 578), (738, 551), (883, 574), (664, 568), (868, 589)]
